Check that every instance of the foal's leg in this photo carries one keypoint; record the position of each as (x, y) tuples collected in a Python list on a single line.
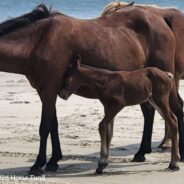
[(177, 107), (165, 143), (148, 112), (48, 98), (181, 128), (110, 127), (56, 150), (104, 130), (109, 136), (169, 117)]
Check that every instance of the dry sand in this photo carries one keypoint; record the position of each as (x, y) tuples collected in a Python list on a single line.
[(78, 128)]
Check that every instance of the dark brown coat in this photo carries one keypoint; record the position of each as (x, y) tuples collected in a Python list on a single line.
[(42, 51)]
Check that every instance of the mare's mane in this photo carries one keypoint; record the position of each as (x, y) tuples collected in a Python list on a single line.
[(40, 12)]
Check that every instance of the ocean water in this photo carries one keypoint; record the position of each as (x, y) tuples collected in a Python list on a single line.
[(83, 9)]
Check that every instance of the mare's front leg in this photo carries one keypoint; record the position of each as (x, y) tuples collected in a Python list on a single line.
[(48, 98), (106, 132), (148, 112), (52, 165)]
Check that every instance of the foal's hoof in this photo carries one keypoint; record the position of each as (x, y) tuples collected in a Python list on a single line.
[(174, 167), (101, 167), (51, 168), (139, 158), (35, 172)]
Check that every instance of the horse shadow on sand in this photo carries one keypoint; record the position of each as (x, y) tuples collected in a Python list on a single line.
[(85, 165)]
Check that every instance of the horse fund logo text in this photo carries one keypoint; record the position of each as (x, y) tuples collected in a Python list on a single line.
[(7, 179)]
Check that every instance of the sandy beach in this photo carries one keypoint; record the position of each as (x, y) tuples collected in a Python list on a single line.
[(78, 128)]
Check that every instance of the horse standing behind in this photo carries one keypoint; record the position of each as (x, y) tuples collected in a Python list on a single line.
[(119, 89), (174, 19), (115, 6)]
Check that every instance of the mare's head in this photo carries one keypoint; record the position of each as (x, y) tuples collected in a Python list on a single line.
[(71, 80)]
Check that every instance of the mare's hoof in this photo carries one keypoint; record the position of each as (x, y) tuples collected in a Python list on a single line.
[(101, 167), (139, 158), (148, 150), (51, 168), (35, 172), (174, 167), (99, 171)]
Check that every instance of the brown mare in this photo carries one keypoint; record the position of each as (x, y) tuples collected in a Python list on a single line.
[(119, 89), (41, 45), (174, 19)]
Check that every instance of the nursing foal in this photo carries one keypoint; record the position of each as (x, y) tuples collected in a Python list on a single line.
[(119, 89)]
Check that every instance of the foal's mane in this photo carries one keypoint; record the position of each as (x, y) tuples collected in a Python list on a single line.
[(40, 12)]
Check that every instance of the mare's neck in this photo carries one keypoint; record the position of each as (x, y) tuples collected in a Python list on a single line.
[(92, 77), (17, 46)]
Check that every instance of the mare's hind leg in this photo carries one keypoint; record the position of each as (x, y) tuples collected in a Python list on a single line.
[(148, 112), (105, 131), (56, 150)]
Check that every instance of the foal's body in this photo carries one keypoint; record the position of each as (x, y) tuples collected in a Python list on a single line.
[(119, 89)]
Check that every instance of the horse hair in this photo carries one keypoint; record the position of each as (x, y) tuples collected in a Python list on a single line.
[(40, 12)]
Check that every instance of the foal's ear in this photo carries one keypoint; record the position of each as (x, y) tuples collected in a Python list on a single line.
[(75, 64), (78, 61)]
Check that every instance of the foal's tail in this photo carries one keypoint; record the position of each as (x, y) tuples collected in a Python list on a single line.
[(170, 75)]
